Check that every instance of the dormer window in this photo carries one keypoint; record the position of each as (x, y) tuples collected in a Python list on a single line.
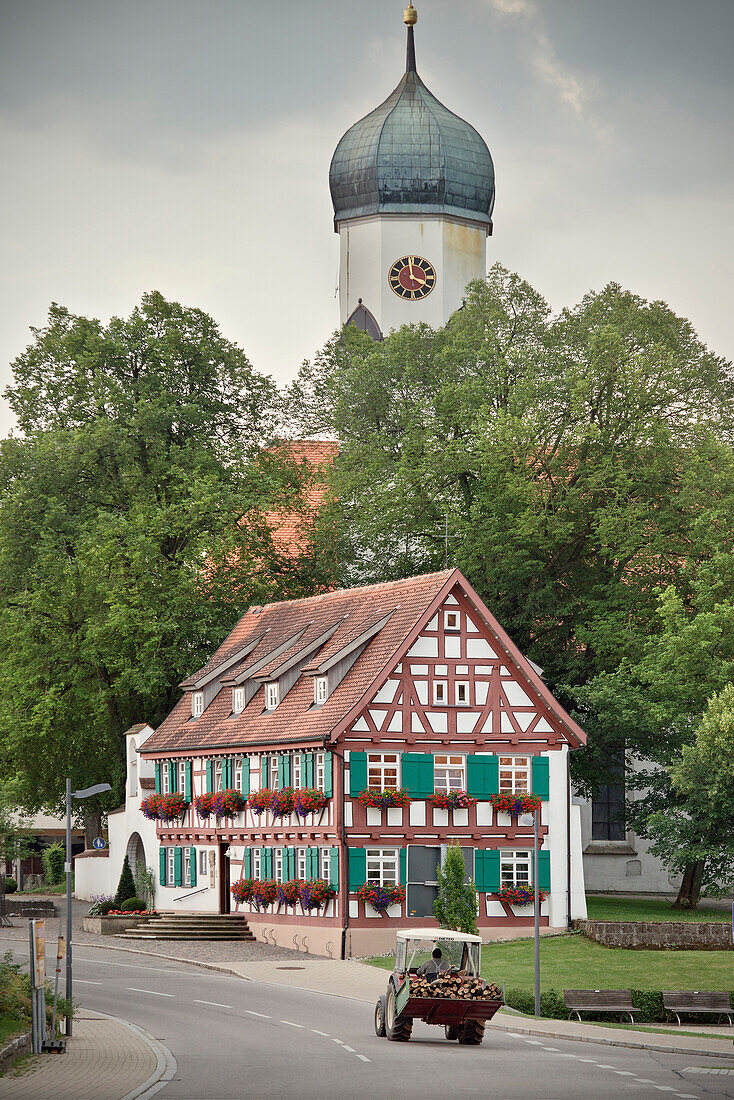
[(320, 690), (271, 695), (238, 700), (451, 620), (197, 704)]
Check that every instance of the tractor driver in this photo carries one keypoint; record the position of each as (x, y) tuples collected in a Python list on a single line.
[(432, 967)]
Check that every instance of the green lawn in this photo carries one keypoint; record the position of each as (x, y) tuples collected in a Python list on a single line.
[(614, 908), (10, 1026)]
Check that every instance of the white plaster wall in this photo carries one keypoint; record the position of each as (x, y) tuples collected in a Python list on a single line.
[(369, 247)]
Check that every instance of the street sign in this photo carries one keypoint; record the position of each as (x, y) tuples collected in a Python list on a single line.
[(99, 842)]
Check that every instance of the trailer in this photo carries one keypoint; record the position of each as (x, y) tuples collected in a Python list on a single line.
[(437, 979)]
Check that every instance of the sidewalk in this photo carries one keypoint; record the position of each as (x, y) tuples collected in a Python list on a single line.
[(105, 1058)]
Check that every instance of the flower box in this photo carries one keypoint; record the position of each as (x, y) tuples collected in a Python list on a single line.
[(259, 801), (288, 892), (204, 805), (282, 801), (520, 895), (242, 890), (515, 804), (381, 897), (163, 807), (309, 801), (452, 800), (227, 803), (315, 893), (264, 893), (382, 800)]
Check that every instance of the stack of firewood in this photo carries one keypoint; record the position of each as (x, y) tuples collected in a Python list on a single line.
[(455, 986)]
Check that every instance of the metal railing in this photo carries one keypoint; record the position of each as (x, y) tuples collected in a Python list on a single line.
[(191, 893)]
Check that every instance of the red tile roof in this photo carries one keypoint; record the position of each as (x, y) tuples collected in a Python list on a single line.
[(290, 529)]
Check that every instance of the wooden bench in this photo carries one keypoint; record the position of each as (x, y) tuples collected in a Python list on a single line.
[(710, 1004), (599, 1000)]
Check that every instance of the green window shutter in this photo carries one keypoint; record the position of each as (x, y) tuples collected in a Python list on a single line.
[(312, 863), (157, 777), (357, 867), (544, 869), (418, 774), (263, 771), (230, 771), (247, 864), (334, 868), (482, 775), (245, 776), (172, 776), (357, 773), (304, 769), (178, 867), (189, 781), (209, 776), (541, 777), (284, 770), (487, 870), (162, 865), (289, 863), (266, 862), (403, 864), (192, 857), (328, 774)]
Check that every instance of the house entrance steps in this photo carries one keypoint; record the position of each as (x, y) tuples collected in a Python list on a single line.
[(191, 926)]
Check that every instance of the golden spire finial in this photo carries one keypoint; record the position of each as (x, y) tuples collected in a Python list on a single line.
[(410, 15)]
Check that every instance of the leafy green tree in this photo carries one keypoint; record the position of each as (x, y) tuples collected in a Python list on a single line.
[(126, 885), (53, 864), (135, 528), (456, 904), (14, 841)]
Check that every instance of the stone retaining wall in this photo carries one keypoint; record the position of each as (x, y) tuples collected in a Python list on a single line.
[(110, 926), (659, 935), (17, 905), (14, 1049)]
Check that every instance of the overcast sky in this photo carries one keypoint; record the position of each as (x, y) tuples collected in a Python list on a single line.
[(184, 146)]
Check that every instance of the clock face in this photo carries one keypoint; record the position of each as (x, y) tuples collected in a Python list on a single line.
[(412, 277)]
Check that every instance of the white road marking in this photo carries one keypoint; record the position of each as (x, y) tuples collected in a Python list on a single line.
[(363, 1059), (339, 1041), (85, 981), (153, 992), (534, 1042), (625, 1073), (262, 1014), (214, 1004), (556, 1050), (290, 1024), (591, 1060), (324, 1033), (664, 1088), (600, 1066), (350, 1049), (645, 1081)]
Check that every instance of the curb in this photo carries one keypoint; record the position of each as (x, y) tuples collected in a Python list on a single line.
[(603, 1040), (165, 1068)]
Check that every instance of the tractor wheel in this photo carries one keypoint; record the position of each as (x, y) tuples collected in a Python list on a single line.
[(471, 1033), (452, 1031), (380, 1017), (399, 1028)]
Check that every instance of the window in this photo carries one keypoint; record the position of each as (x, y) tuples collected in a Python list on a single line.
[(607, 806), (256, 862), (203, 861), (182, 776), (165, 778), (187, 866), (170, 866), (515, 867), (238, 774), (301, 859), (296, 769), (325, 863), (197, 704), (439, 692), (383, 865), (449, 773), (238, 700), (451, 620), (461, 691), (382, 770), (320, 690), (218, 775), (271, 695), (320, 770), (274, 769), (514, 774), (278, 864)]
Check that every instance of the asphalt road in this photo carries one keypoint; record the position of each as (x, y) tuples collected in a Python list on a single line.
[(234, 1039)]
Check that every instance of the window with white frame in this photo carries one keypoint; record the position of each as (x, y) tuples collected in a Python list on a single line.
[(320, 770), (278, 864), (296, 769), (197, 704), (449, 773), (165, 778), (461, 693), (238, 700), (271, 695), (320, 690), (514, 774), (170, 866), (218, 775), (383, 866), (301, 860), (515, 867), (187, 866), (451, 620), (237, 777), (325, 863), (274, 768), (383, 770), (182, 776), (439, 692), (203, 861), (256, 862)]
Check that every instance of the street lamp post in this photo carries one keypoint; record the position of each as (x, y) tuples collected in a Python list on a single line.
[(536, 909), (87, 792)]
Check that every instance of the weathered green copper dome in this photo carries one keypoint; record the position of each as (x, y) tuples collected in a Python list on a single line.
[(411, 155)]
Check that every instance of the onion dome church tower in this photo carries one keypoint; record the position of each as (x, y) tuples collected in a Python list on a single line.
[(412, 186)]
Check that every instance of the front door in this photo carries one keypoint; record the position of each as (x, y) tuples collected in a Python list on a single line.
[(225, 898)]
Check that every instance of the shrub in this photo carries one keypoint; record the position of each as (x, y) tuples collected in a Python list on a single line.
[(10, 885), (132, 905), (456, 904), (551, 1002), (126, 885), (106, 906), (53, 864), (145, 884)]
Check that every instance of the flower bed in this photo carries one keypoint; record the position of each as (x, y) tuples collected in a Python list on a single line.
[(520, 895), (315, 893), (382, 800), (259, 801), (227, 803), (282, 801), (515, 803), (309, 801), (163, 807), (380, 897), (452, 800), (204, 805)]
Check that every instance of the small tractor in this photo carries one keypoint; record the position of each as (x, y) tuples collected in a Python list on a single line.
[(436, 979)]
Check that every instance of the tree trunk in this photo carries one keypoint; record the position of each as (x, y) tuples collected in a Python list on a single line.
[(690, 887), (92, 826)]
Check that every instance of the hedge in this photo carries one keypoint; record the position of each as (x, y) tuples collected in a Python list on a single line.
[(649, 1002)]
